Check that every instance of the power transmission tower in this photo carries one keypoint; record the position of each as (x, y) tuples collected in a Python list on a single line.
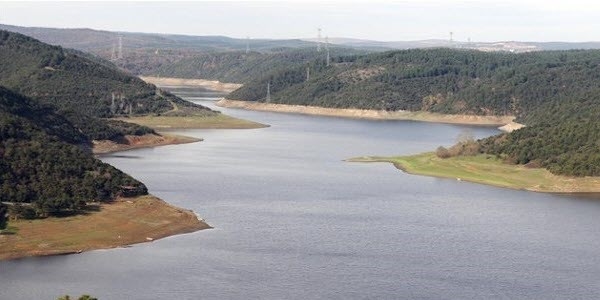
[(247, 45), (327, 48), (113, 106), (319, 40), (120, 54), (268, 99), (451, 39), (113, 55), (307, 73)]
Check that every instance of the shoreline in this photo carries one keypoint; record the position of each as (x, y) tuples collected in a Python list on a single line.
[(138, 142), (118, 224), (495, 121), (213, 85), (219, 121), (488, 170), (121, 223)]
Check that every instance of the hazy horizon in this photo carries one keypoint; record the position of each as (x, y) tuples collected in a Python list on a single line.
[(479, 21)]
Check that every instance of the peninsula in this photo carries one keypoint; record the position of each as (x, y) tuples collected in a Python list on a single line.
[(487, 169)]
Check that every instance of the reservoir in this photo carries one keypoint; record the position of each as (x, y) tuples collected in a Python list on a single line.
[(294, 221)]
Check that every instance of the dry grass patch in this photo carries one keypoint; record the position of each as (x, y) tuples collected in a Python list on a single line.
[(123, 222)]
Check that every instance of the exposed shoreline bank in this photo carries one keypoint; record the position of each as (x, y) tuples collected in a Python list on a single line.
[(121, 223), (124, 222), (495, 121), (486, 169), (219, 121), (213, 85), (144, 141)]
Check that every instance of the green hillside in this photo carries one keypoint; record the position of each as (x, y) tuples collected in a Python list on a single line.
[(241, 67), (146, 53), (555, 93), (568, 144), (42, 162), (436, 80), (82, 87)]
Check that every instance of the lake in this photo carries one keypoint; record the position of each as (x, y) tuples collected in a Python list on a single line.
[(294, 221)]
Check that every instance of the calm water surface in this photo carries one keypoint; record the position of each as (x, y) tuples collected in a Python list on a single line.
[(293, 221)]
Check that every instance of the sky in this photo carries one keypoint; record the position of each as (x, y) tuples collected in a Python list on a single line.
[(479, 20)]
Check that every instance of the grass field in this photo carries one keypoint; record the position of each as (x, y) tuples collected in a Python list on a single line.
[(487, 169), (218, 121), (123, 222)]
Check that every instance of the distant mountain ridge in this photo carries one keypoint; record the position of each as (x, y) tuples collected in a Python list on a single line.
[(101, 41), (146, 53), (507, 46)]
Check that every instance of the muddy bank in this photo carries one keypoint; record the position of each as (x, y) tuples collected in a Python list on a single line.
[(144, 141), (370, 114), (213, 85)]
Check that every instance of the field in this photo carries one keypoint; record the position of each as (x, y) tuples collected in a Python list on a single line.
[(489, 170)]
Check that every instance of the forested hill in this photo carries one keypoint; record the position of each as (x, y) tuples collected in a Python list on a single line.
[(42, 164), (564, 135), (145, 53), (82, 87), (437, 80), (241, 67), (71, 81), (555, 93)]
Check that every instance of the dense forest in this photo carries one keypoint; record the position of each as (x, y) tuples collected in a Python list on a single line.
[(83, 88), (43, 168), (437, 80), (564, 137), (242, 67), (555, 93)]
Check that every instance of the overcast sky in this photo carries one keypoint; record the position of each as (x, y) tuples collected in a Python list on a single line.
[(481, 20)]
